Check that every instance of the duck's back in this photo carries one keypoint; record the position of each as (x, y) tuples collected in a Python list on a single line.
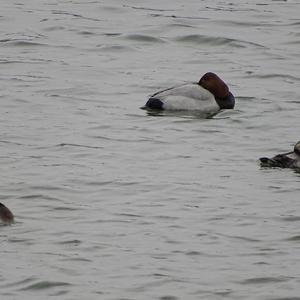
[(190, 96)]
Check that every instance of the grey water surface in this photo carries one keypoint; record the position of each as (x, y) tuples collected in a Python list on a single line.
[(114, 203)]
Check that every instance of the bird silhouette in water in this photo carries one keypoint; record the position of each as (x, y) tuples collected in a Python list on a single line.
[(6, 216)]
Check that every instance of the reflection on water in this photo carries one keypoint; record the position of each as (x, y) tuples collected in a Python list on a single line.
[(115, 202)]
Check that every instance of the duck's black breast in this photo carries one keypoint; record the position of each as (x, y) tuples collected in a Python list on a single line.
[(227, 102)]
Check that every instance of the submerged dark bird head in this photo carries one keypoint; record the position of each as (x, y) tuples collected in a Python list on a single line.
[(6, 215), (280, 161), (285, 160)]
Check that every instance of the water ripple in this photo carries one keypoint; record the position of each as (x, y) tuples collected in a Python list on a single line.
[(143, 38), (41, 285), (215, 41), (285, 298), (295, 238), (78, 145), (114, 48), (21, 43), (75, 15), (264, 280)]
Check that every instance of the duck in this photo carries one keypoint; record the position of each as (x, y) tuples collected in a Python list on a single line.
[(285, 160), (6, 216), (209, 95)]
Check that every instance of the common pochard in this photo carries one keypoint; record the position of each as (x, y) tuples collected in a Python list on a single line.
[(209, 95)]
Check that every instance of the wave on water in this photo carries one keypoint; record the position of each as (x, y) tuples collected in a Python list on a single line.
[(75, 15), (41, 285), (143, 38), (215, 41), (264, 280)]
